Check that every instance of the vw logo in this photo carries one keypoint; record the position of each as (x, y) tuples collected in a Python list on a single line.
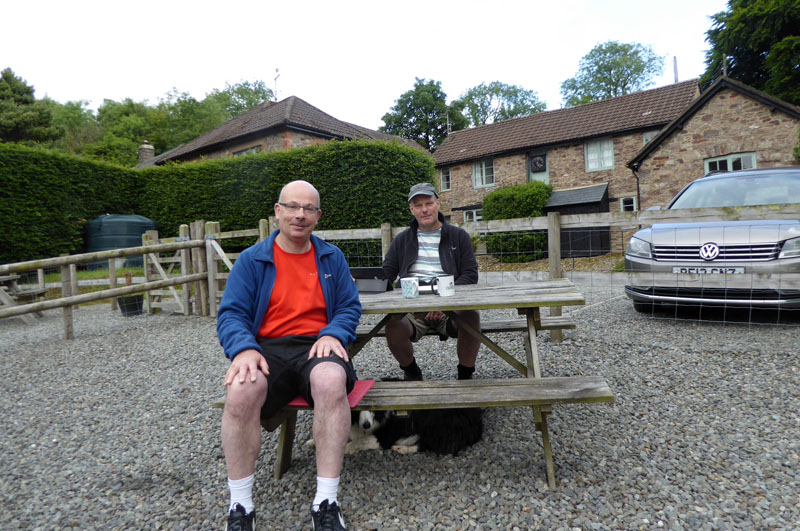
[(709, 251)]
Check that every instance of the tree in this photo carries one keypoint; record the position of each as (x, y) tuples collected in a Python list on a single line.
[(422, 115), (125, 124), (179, 118), (759, 43), (238, 98), (78, 122), (497, 101), (612, 69), (22, 118)]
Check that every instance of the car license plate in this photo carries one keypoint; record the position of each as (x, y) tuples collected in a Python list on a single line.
[(709, 270)]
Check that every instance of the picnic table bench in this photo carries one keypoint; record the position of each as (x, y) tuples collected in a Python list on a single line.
[(548, 322)]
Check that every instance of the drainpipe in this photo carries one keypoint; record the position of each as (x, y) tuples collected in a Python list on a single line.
[(638, 192)]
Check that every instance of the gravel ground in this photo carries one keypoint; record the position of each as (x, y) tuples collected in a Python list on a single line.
[(115, 430)]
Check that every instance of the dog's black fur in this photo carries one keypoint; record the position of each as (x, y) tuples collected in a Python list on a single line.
[(442, 431)]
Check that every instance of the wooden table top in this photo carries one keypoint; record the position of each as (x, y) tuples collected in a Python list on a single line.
[(558, 292)]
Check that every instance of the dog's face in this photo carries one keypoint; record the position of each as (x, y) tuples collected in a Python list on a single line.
[(369, 421)]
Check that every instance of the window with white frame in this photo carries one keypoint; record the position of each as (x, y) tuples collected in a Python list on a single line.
[(647, 136), (538, 168), (599, 154), (739, 161), (248, 151), (483, 173), (444, 178), (628, 204), (473, 215)]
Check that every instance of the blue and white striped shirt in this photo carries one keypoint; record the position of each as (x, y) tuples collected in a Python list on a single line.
[(428, 264)]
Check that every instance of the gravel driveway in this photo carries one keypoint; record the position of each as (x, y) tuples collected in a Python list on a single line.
[(115, 430)]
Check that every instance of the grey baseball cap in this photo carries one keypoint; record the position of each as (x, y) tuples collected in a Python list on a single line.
[(422, 189)]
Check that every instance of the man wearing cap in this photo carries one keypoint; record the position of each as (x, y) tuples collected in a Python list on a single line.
[(431, 247)]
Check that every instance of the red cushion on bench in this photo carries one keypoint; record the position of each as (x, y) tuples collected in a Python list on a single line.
[(359, 390)]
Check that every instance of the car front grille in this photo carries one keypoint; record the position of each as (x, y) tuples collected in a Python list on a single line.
[(691, 253), (718, 293)]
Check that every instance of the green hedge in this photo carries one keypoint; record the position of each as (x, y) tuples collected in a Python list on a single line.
[(47, 198), (525, 201), (362, 184)]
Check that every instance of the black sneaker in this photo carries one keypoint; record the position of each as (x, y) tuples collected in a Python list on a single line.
[(240, 520), (329, 517), (412, 377)]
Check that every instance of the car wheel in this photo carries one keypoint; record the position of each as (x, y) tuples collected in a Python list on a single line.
[(643, 307)]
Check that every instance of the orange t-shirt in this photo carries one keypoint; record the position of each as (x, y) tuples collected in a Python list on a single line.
[(296, 305)]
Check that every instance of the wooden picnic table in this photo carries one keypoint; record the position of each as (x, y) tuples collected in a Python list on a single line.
[(526, 297), (533, 390), (11, 294)]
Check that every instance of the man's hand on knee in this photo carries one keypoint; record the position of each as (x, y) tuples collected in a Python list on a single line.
[(245, 366), (327, 345)]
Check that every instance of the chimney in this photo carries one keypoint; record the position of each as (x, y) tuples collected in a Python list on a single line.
[(146, 151)]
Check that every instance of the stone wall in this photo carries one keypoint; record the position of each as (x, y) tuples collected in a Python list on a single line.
[(729, 123)]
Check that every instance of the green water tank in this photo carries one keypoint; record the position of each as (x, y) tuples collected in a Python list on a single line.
[(116, 231)]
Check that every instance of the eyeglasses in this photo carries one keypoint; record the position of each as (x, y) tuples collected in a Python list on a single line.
[(292, 208)]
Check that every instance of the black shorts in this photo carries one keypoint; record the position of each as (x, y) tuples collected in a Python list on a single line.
[(290, 370)]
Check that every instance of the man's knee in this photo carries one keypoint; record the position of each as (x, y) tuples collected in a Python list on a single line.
[(328, 379), (472, 317), (399, 330), (244, 398)]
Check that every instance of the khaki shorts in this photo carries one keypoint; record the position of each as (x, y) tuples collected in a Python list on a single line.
[(444, 328)]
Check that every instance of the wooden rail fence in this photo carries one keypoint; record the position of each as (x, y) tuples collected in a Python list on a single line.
[(189, 271)]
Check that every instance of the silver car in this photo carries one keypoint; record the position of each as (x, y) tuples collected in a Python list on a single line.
[(721, 263)]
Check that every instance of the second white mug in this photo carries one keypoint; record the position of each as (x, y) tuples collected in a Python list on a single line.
[(444, 286)]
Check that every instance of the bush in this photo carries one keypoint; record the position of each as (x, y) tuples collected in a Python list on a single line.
[(525, 201)]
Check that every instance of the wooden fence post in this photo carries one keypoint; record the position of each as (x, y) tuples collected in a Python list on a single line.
[(40, 277), (263, 229), (112, 280), (386, 238), (66, 291), (198, 232), (273, 224), (212, 266), (148, 238), (554, 261), (186, 264), (73, 279)]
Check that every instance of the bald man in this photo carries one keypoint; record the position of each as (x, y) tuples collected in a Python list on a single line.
[(289, 311)]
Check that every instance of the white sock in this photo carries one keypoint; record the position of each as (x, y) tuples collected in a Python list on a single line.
[(242, 492), (327, 489)]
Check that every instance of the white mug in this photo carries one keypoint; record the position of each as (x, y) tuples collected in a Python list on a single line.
[(410, 287), (444, 286)]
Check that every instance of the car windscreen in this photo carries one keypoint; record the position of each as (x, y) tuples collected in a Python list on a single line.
[(746, 190)]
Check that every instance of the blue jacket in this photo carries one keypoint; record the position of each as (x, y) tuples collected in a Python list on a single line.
[(249, 288)]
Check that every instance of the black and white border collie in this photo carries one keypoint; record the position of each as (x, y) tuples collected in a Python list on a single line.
[(442, 431)]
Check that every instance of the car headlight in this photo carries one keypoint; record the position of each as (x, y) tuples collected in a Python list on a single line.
[(638, 248), (791, 249)]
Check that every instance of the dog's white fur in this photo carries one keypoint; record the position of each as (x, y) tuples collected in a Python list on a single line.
[(362, 437)]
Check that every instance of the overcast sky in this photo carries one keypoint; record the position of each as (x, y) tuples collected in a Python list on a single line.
[(351, 59)]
